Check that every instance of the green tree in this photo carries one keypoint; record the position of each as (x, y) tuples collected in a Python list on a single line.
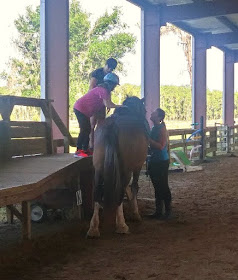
[(89, 46), (121, 92), (236, 105), (214, 105), (24, 75), (176, 101)]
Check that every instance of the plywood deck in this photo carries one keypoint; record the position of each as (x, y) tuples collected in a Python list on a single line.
[(26, 178)]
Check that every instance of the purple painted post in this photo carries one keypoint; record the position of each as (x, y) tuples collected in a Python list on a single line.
[(55, 57), (199, 86), (150, 68), (228, 89)]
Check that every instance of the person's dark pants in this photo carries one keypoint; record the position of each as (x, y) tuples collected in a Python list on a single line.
[(85, 128), (158, 172)]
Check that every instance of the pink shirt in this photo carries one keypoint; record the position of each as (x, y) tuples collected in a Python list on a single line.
[(92, 102)]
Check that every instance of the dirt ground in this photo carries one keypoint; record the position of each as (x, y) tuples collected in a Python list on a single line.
[(201, 243)]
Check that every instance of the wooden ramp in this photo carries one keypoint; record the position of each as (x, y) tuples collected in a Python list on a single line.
[(24, 179), (30, 165)]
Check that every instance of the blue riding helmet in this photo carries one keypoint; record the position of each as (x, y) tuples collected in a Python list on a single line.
[(111, 77)]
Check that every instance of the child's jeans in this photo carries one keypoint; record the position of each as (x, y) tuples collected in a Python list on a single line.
[(85, 128)]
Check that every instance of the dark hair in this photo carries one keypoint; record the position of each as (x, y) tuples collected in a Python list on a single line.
[(111, 63), (161, 113)]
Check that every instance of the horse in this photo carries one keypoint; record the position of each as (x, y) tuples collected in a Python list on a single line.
[(120, 150)]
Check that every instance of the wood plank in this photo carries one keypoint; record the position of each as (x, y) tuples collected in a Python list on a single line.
[(24, 101), (193, 143), (26, 123), (29, 178), (208, 129), (20, 147), (180, 131), (36, 129), (15, 212), (210, 150), (176, 145)]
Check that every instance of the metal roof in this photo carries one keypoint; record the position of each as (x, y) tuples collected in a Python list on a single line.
[(217, 20)]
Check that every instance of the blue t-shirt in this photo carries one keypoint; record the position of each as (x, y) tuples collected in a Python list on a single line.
[(157, 154)]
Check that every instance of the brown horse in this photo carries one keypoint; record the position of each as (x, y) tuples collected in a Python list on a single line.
[(120, 149)]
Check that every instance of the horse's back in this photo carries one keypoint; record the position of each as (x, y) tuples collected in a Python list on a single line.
[(128, 136), (133, 143)]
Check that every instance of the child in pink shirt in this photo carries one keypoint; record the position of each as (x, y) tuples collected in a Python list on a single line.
[(89, 104)]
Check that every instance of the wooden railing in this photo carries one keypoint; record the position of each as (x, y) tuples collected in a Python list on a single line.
[(212, 138), (28, 137)]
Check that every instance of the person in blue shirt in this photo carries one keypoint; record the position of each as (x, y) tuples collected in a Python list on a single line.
[(158, 165)]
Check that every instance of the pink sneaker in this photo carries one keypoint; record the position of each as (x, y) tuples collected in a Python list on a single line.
[(89, 152), (80, 154)]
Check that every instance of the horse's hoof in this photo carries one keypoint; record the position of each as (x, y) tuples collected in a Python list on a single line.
[(136, 217), (123, 229), (93, 234)]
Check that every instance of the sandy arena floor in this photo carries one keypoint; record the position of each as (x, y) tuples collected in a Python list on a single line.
[(200, 244)]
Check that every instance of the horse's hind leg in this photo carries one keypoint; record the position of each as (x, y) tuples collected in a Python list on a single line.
[(135, 216), (121, 226)]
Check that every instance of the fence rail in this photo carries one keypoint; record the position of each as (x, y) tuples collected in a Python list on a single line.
[(218, 139)]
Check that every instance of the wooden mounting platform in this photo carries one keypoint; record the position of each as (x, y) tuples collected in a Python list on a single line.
[(23, 179)]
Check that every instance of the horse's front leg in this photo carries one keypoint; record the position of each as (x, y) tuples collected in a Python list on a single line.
[(135, 216), (121, 226), (93, 231)]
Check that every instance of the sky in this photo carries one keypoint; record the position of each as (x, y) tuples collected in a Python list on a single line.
[(173, 64)]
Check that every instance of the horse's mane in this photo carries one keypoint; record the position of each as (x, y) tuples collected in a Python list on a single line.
[(134, 110), (133, 106)]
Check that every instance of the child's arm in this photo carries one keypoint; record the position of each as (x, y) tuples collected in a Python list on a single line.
[(161, 141), (109, 104)]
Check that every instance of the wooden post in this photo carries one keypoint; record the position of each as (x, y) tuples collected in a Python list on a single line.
[(5, 141), (26, 220), (63, 129), (46, 109), (213, 143), (9, 214)]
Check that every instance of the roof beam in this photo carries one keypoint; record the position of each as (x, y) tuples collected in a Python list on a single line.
[(235, 53), (185, 28), (228, 23), (140, 3), (198, 10), (218, 40)]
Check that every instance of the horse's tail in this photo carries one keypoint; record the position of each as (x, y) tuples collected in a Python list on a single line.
[(113, 190)]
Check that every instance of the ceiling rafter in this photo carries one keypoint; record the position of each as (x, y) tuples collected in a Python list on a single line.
[(228, 23), (179, 15), (198, 10), (141, 3), (222, 39)]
